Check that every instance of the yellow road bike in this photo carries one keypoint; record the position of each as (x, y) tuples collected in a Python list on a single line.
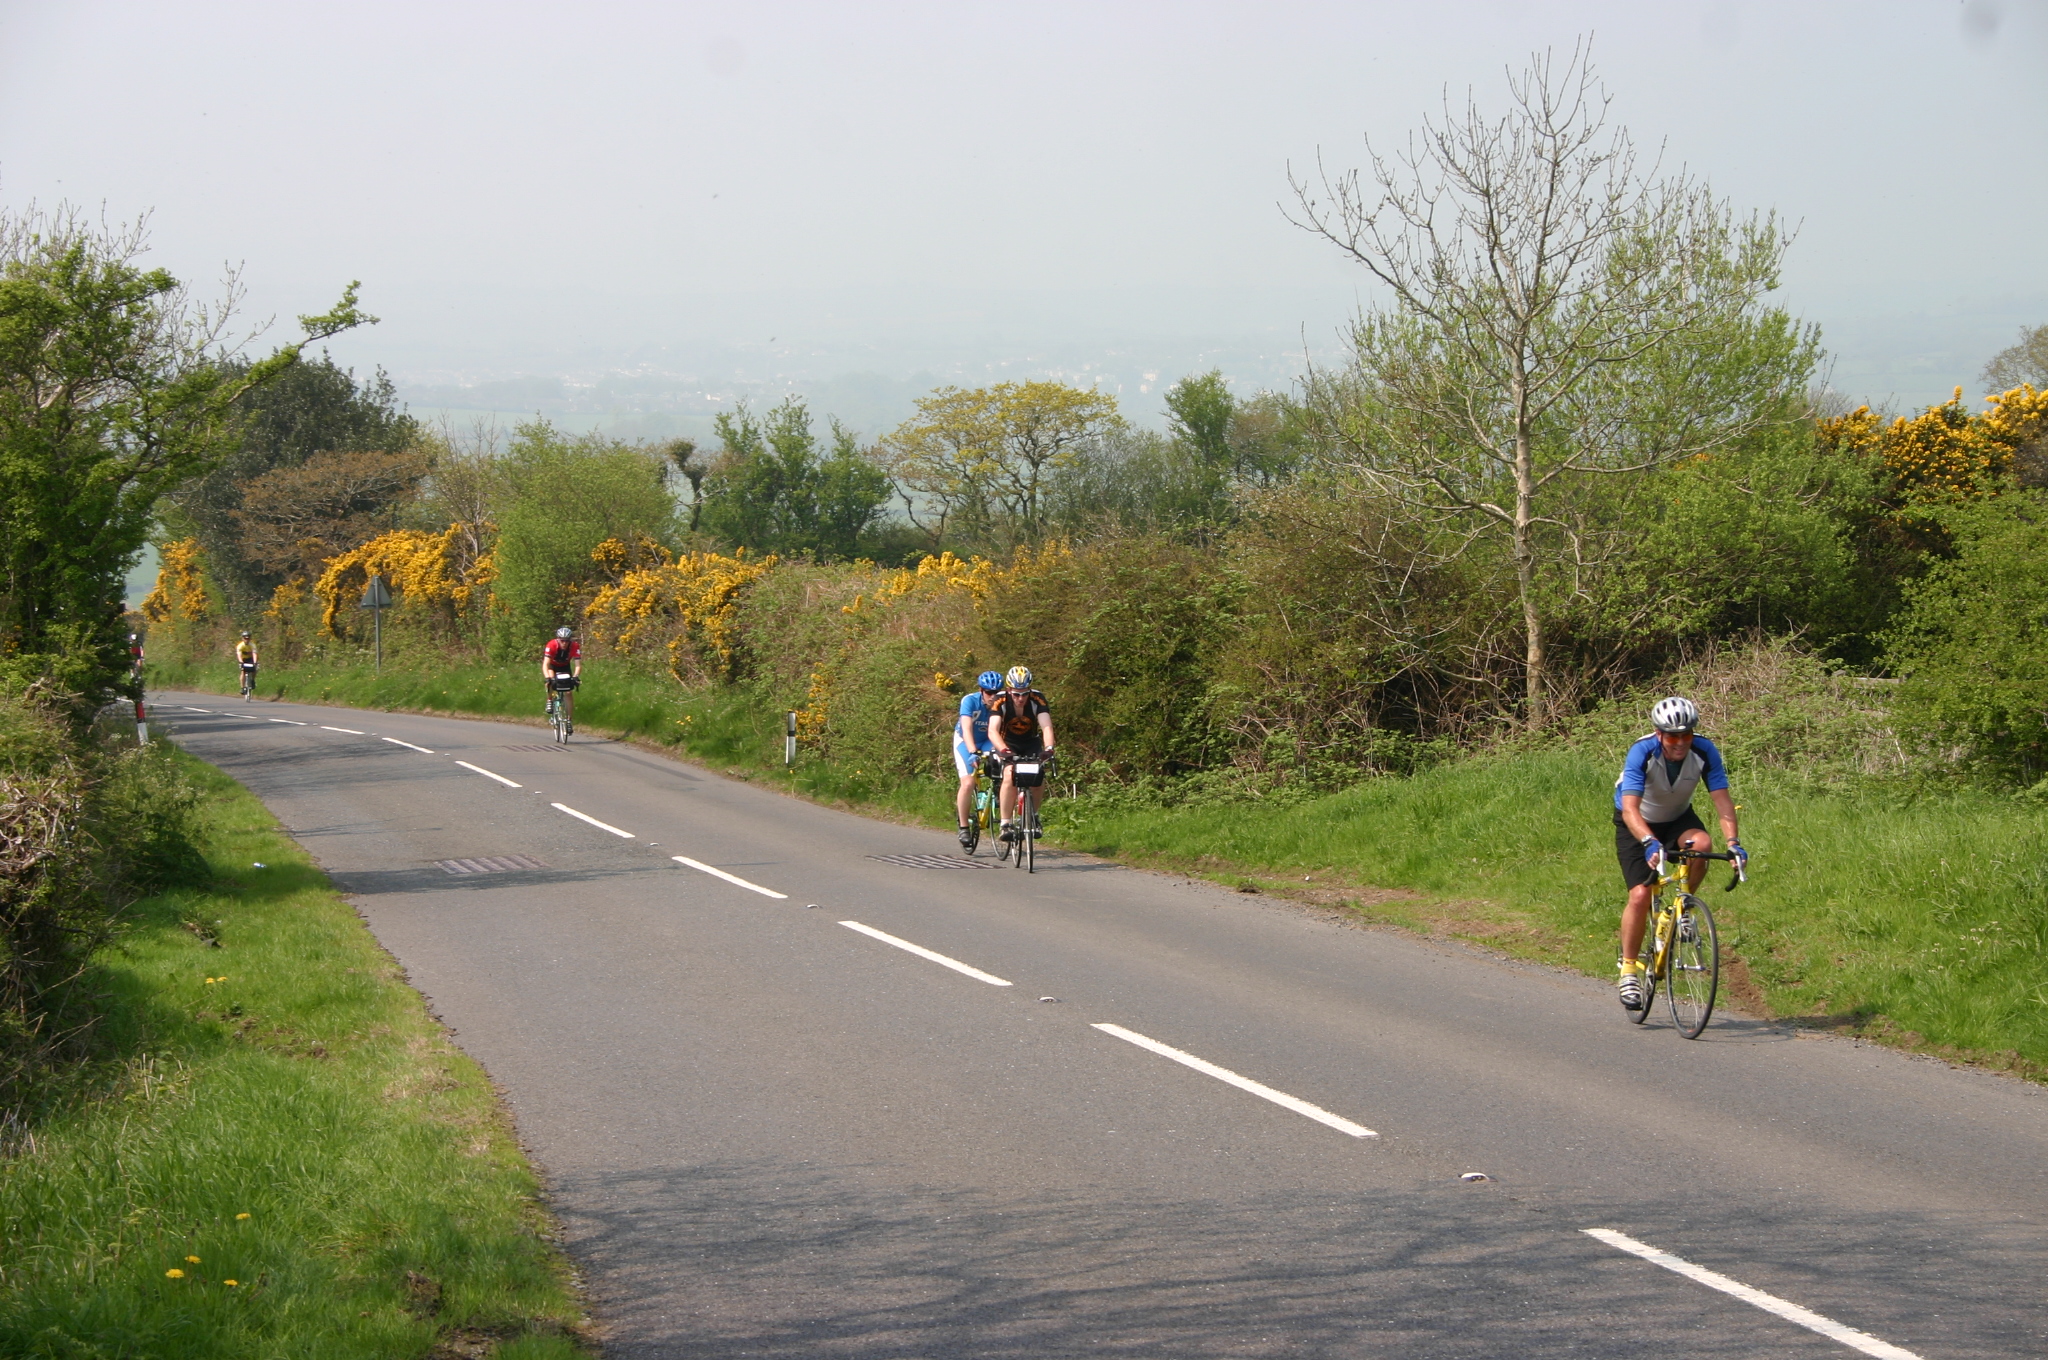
[(1684, 952), (987, 815)]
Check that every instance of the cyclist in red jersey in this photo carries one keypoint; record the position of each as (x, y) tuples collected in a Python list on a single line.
[(562, 656)]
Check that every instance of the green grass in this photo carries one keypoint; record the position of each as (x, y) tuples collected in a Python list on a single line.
[(300, 1125), (1920, 919)]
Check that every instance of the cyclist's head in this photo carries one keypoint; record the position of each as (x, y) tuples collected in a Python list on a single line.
[(245, 637), (1675, 715), (1019, 677), (564, 632), (990, 681), (135, 637)]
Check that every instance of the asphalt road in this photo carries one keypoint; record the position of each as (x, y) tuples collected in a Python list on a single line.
[(770, 1132)]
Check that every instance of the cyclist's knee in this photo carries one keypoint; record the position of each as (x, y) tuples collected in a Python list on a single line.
[(1696, 840)]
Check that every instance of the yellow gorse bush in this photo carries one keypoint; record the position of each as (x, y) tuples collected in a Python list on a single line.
[(180, 592), (690, 601), (1946, 455), (425, 571), (888, 609)]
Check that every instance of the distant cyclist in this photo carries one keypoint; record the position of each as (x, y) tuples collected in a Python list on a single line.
[(971, 745), (1020, 725), (1653, 814), (562, 657), (245, 657)]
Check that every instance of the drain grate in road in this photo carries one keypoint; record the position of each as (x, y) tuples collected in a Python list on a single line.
[(496, 864), (931, 861), (550, 747)]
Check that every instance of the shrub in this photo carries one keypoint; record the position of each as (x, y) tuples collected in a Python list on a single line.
[(1972, 645)]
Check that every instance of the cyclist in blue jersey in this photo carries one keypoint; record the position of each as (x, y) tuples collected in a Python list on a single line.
[(971, 744), (1653, 813)]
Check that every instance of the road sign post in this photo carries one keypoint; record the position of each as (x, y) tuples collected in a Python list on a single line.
[(377, 599)]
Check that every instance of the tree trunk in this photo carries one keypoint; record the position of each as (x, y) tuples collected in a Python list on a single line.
[(1525, 580)]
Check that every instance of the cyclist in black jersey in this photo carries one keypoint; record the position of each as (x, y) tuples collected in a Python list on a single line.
[(1020, 725)]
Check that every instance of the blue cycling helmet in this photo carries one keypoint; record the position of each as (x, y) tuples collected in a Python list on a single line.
[(990, 680), (1019, 677)]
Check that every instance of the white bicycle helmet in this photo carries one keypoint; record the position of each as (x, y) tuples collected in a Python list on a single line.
[(1674, 715)]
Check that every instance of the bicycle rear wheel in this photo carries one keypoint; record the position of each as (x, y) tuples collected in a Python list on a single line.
[(1695, 971)]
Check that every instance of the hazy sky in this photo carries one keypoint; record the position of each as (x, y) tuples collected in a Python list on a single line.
[(725, 195)]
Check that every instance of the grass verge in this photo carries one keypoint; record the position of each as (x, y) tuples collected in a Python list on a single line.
[(1918, 919), (280, 1152)]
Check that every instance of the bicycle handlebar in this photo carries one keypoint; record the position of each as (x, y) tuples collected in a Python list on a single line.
[(1740, 876)]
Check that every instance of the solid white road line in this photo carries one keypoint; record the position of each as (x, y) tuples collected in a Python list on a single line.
[(1294, 1103), (730, 878), (586, 817), (1770, 1303), (285, 720), (990, 978), (350, 730), (488, 775), (408, 745)]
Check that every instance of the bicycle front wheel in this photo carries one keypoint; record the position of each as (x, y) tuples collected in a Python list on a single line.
[(1694, 976), (1029, 823)]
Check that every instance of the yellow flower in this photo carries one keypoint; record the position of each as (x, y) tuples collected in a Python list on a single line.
[(240, 1216), (191, 1260), (174, 1273), (231, 1283)]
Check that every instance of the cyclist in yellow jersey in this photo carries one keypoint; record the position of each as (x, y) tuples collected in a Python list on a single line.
[(245, 657)]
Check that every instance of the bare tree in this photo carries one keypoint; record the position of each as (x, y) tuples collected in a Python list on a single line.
[(1554, 311), (2025, 362)]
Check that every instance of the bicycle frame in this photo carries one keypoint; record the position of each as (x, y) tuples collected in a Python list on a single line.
[(1684, 964)]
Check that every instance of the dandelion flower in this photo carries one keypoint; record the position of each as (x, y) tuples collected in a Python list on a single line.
[(240, 1216), (191, 1260), (231, 1283), (175, 1273)]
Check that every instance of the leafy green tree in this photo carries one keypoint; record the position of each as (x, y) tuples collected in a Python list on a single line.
[(1555, 317), (562, 497), (314, 408), (1971, 645), (113, 390), (1199, 412), (772, 488), (980, 464)]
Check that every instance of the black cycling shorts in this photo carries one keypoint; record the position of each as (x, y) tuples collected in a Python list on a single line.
[(1635, 870)]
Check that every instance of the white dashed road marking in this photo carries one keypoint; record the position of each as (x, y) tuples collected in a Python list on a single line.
[(1770, 1303), (1294, 1103), (408, 745), (586, 817), (488, 775), (923, 953), (286, 721), (350, 730), (730, 878)]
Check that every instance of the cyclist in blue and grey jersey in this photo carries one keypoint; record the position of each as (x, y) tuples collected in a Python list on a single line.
[(971, 744), (1653, 813)]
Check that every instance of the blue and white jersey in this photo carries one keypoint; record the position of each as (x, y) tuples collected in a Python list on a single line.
[(976, 712), (1666, 786)]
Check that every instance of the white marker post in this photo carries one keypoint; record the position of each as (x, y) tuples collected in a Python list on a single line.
[(789, 741), (377, 599)]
